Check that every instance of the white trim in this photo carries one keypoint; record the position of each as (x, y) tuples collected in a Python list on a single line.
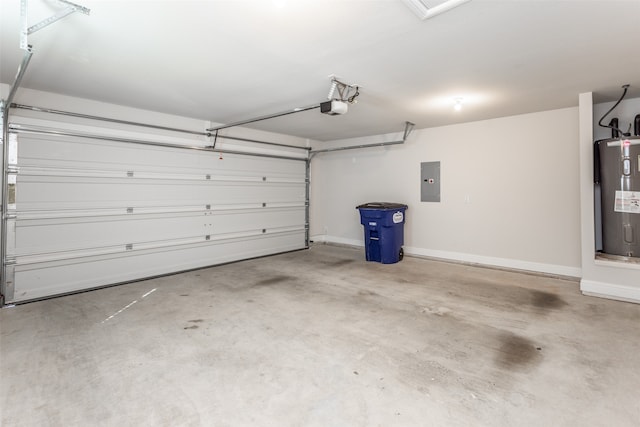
[(559, 270), (610, 291), (617, 264), (423, 12), (323, 238)]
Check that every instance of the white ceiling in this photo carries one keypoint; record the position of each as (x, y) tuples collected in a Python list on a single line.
[(227, 61)]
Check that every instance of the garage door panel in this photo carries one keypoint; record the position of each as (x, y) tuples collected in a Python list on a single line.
[(84, 153), (40, 193), (90, 212), (53, 278), (37, 236)]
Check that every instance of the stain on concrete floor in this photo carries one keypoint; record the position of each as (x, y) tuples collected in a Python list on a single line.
[(516, 352), (337, 263), (367, 293), (275, 280), (546, 300)]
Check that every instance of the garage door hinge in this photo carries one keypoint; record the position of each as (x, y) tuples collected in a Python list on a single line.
[(10, 261), (130, 174), (13, 169), (129, 246), (129, 210), (10, 216), (207, 237), (208, 176)]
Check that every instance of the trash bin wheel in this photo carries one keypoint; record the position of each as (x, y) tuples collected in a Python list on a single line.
[(401, 254)]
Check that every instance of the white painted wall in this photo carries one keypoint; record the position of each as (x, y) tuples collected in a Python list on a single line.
[(519, 174), (607, 279)]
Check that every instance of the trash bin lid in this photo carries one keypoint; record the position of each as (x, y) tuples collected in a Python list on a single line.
[(382, 205)]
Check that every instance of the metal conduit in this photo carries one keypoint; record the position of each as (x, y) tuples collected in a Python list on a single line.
[(353, 147), (171, 129), (21, 70), (51, 131), (277, 144), (408, 127)]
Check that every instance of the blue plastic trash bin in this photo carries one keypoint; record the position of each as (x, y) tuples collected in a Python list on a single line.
[(383, 231)]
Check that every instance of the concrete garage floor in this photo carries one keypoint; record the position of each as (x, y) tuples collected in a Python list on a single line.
[(323, 338)]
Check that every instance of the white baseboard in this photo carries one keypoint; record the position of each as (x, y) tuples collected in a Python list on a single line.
[(323, 238), (559, 270), (610, 291)]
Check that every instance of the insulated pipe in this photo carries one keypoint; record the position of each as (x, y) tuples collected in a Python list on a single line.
[(615, 131)]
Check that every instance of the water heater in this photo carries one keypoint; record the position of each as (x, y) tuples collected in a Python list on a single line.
[(618, 173)]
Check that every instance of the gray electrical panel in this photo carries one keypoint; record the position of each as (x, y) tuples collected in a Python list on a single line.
[(430, 181)]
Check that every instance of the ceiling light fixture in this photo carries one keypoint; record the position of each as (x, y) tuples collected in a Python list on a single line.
[(458, 104), (426, 9)]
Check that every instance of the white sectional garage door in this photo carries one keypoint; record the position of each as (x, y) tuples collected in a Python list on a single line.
[(85, 212)]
